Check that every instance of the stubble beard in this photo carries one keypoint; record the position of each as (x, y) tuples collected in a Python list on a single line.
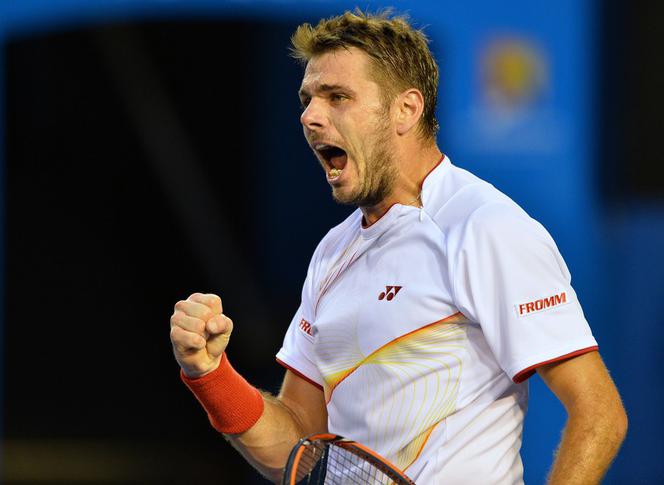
[(377, 176)]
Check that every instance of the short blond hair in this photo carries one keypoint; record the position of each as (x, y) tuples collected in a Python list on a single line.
[(399, 52)]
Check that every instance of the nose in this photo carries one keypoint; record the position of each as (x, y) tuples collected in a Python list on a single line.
[(313, 116)]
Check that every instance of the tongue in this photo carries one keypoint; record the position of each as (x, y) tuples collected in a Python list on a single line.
[(338, 160)]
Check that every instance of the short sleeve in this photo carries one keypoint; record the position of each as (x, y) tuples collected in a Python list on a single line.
[(509, 277), (297, 353)]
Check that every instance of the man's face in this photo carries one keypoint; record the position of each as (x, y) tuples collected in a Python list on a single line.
[(348, 126)]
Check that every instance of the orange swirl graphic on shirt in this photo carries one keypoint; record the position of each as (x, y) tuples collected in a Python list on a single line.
[(414, 383), (418, 337)]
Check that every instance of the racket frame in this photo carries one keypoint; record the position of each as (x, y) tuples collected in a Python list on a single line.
[(357, 449)]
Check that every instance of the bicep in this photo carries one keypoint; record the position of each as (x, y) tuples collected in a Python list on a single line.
[(306, 401)]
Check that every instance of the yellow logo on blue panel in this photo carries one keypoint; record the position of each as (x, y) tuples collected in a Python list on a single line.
[(514, 73)]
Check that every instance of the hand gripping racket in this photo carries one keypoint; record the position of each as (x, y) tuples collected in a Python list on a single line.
[(328, 459)]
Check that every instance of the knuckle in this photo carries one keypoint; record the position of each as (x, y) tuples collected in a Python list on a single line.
[(179, 321), (176, 335), (191, 342), (196, 339)]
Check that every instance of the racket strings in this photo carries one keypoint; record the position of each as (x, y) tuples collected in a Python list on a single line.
[(311, 467), (325, 464), (344, 467)]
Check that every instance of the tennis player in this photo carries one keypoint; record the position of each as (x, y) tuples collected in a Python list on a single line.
[(426, 310)]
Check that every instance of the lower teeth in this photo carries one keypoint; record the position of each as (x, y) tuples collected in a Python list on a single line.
[(335, 172)]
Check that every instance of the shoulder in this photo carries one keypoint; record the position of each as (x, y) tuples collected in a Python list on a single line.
[(473, 215), (461, 198)]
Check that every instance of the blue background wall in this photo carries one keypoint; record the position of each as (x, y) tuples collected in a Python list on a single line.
[(539, 145)]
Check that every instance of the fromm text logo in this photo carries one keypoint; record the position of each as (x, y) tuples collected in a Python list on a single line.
[(306, 327), (542, 304)]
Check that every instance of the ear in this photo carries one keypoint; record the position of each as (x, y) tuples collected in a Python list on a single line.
[(410, 105)]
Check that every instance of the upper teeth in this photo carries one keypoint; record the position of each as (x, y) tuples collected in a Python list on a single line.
[(322, 146)]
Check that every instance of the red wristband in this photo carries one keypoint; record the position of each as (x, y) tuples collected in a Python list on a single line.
[(232, 404)]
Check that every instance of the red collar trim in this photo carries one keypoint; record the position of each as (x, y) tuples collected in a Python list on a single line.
[(442, 159), (364, 226)]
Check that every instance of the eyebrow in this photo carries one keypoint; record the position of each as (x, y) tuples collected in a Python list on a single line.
[(326, 88)]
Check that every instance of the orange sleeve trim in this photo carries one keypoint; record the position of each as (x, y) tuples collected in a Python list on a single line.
[(299, 374), (529, 371)]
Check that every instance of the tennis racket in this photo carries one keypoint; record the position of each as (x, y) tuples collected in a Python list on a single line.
[(328, 459)]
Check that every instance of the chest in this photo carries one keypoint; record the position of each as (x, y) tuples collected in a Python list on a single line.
[(380, 291)]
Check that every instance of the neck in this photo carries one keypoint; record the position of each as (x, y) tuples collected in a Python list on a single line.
[(413, 169)]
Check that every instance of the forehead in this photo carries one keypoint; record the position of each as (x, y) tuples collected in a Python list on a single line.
[(337, 67)]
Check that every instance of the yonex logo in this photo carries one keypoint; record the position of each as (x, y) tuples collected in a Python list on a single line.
[(389, 293), (542, 304)]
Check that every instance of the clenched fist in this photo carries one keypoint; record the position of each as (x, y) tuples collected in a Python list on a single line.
[(199, 333)]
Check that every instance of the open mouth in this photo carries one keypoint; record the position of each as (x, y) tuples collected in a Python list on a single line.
[(335, 159)]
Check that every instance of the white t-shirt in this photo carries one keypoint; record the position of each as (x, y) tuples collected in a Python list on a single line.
[(421, 327)]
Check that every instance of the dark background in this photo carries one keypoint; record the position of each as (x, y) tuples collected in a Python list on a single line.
[(101, 208), (146, 160)]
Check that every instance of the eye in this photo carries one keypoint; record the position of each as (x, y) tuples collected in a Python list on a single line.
[(338, 97), (304, 102)]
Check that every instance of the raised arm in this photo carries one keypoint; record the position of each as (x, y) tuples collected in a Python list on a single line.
[(596, 423), (262, 427)]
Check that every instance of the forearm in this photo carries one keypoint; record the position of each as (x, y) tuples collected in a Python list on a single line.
[(267, 444), (589, 443), (263, 428)]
